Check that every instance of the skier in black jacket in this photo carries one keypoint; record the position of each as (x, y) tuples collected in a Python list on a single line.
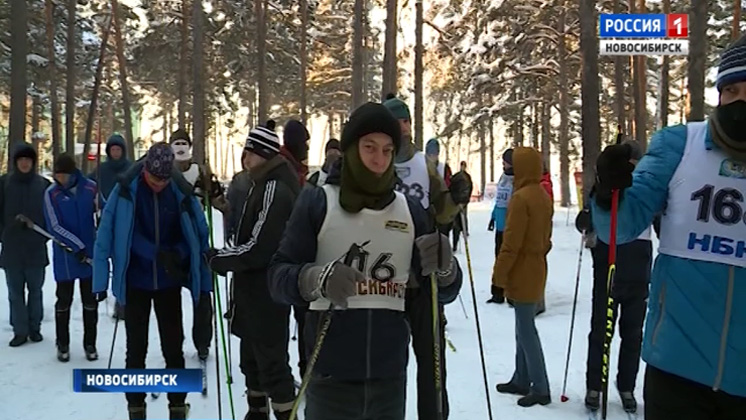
[(362, 366), (261, 323)]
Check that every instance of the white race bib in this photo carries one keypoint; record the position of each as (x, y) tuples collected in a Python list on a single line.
[(414, 179), (504, 191), (705, 217)]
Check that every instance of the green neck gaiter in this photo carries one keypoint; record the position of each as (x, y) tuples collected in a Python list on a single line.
[(360, 188), (734, 149)]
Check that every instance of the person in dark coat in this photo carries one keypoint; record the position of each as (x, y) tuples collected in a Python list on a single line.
[(295, 139), (69, 210), (332, 153), (261, 323), (106, 177), (458, 224), (24, 252)]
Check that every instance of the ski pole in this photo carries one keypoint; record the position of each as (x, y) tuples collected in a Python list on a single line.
[(326, 321), (610, 306), (36, 228), (436, 345), (564, 397), (113, 341), (463, 307), (476, 320)]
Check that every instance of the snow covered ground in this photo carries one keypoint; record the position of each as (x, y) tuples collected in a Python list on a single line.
[(34, 385)]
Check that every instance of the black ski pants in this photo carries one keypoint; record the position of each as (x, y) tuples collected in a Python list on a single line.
[(630, 293), (168, 314), (64, 292), (381, 399), (497, 292), (420, 316), (669, 397), (202, 324)]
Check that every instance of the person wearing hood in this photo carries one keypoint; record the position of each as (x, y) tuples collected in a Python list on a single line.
[(332, 153), (24, 252), (351, 246), (295, 139), (106, 177), (69, 212), (432, 152), (521, 270), (203, 184), (418, 177), (503, 193), (152, 243), (261, 323), (694, 343)]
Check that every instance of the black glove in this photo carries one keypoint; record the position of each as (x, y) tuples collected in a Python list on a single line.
[(460, 189), (101, 296), (174, 265), (614, 172), (216, 264), (491, 225), (214, 187), (583, 222), (81, 257), (210, 254)]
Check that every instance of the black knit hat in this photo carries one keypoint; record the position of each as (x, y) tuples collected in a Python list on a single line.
[(180, 134), (295, 137), (508, 156), (332, 144), (370, 118), (65, 164)]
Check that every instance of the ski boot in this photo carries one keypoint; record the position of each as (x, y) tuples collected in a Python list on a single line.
[(90, 353), (118, 312), (629, 403), (63, 353), (18, 340), (178, 411), (592, 400), (203, 353), (258, 406), (531, 400), (137, 412), (35, 336), (511, 388)]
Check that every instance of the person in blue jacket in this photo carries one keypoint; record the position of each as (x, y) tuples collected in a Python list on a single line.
[(497, 220), (106, 176), (156, 236), (695, 335), (69, 208), (362, 366)]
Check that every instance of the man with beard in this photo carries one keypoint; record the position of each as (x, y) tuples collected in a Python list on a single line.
[(24, 252), (695, 174), (419, 178), (333, 153), (106, 177)]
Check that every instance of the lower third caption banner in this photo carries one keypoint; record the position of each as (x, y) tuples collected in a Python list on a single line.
[(137, 380)]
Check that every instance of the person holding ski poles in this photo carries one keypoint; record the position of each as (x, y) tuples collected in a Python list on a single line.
[(521, 270), (630, 292), (24, 253), (361, 369), (261, 323), (69, 209), (695, 335), (155, 233), (418, 178)]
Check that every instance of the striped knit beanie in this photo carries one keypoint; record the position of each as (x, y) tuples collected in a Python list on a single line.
[(732, 67), (263, 142)]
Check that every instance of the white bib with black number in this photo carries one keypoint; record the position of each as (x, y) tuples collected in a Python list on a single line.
[(705, 215), (414, 179), (503, 191), (386, 257)]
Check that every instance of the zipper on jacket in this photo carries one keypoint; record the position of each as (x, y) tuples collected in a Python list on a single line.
[(157, 241), (662, 310), (726, 328), (369, 344)]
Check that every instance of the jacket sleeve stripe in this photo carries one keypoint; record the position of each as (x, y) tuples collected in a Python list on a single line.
[(54, 222), (269, 196)]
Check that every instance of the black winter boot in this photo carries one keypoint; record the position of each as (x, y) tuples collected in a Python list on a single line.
[(592, 400), (629, 403), (178, 411), (90, 353), (258, 406), (510, 388), (63, 353), (531, 400), (137, 412)]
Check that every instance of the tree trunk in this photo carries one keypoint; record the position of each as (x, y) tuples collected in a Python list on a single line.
[(70, 88), (493, 160), (482, 155), (641, 110), (697, 57), (36, 110), (198, 84), (184, 63), (52, 72), (591, 124), (123, 81), (564, 138), (663, 80), (619, 87), (389, 50), (261, 52), (736, 31), (94, 97), (534, 126), (18, 80), (303, 59), (418, 74), (546, 135), (357, 55)]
